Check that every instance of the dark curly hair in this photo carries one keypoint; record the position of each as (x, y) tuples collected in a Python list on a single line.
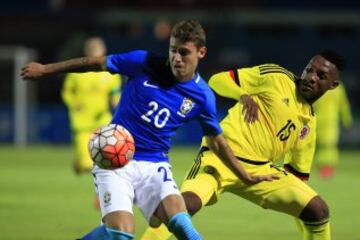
[(334, 58)]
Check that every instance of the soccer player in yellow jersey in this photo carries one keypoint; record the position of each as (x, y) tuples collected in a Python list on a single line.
[(273, 122), (90, 98), (331, 110)]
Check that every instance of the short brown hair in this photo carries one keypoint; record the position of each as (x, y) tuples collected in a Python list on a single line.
[(189, 31)]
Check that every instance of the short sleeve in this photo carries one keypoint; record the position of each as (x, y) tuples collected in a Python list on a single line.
[(128, 64)]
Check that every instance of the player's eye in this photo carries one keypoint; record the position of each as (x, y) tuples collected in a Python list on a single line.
[(308, 69), (321, 75), (184, 52)]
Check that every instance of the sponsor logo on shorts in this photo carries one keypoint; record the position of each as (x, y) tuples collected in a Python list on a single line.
[(107, 198)]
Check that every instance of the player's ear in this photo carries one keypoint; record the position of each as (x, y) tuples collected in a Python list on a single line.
[(334, 84), (202, 52)]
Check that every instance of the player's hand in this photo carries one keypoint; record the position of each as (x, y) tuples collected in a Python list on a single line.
[(33, 71), (260, 178), (250, 108)]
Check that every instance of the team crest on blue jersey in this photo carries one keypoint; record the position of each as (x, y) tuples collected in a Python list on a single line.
[(186, 106), (304, 131)]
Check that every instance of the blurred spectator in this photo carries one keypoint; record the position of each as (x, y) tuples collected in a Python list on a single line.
[(162, 29), (332, 110), (90, 98)]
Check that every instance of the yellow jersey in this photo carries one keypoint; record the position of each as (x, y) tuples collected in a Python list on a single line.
[(89, 97), (332, 109), (286, 124)]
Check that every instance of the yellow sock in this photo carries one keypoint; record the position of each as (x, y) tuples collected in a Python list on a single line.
[(160, 233), (299, 224), (301, 227), (319, 231)]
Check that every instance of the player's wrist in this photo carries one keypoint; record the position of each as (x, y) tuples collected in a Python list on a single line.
[(243, 96), (47, 69), (245, 177)]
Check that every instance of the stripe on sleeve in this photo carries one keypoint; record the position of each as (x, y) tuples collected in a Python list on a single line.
[(235, 76), (273, 68)]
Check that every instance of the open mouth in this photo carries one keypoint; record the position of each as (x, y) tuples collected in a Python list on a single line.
[(178, 66), (307, 87)]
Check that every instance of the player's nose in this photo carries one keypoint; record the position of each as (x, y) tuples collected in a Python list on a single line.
[(177, 57)]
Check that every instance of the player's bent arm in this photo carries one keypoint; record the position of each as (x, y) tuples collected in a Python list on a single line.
[(34, 70), (220, 147), (224, 85)]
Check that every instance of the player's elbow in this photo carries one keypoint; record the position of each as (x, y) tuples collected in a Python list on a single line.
[(99, 63), (215, 80)]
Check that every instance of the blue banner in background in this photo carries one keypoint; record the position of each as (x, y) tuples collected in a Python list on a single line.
[(45, 124), (6, 123), (50, 124)]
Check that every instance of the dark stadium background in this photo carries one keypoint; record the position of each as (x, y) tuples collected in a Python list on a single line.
[(240, 33), (41, 195)]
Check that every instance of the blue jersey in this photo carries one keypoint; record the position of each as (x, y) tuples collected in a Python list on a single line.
[(153, 104)]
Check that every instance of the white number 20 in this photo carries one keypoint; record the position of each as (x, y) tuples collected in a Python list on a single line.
[(164, 112)]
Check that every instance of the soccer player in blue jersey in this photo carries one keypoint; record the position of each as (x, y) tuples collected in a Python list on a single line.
[(161, 95)]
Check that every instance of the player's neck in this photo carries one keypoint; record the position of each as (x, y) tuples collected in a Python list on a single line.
[(186, 78)]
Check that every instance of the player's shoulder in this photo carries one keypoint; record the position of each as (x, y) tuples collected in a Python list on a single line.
[(136, 53), (156, 63), (272, 69), (158, 68), (201, 85), (204, 88)]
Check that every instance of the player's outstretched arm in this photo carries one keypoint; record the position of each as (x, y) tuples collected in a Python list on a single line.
[(219, 145), (35, 71)]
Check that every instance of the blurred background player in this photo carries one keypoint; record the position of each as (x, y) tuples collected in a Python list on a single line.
[(332, 111), (281, 102), (90, 98)]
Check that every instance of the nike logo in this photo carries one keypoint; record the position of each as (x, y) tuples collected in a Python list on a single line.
[(147, 84)]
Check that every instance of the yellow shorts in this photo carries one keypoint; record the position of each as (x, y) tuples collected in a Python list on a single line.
[(209, 178), (82, 155)]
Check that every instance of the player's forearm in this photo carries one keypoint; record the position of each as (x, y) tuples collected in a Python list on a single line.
[(220, 147), (84, 64), (35, 71), (224, 85)]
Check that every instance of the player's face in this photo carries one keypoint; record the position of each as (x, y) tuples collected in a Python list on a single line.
[(184, 58), (318, 76)]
